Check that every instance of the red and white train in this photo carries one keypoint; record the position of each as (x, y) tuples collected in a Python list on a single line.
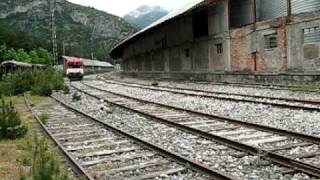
[(73, 68)]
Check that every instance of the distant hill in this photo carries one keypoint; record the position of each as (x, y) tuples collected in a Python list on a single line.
[(145, 15), (82, 29)]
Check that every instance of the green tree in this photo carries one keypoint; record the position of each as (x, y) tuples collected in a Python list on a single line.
[(3, 52), (34, 57), (45, 57), (10, 54), (23, 56)]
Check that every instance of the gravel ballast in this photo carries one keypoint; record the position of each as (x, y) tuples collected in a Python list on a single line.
[(294, 120), (206, 152)]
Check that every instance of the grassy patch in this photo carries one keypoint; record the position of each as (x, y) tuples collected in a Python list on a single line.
[(305, 88), (19, 158)]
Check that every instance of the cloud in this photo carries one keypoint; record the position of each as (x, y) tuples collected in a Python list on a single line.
[(122, 7)]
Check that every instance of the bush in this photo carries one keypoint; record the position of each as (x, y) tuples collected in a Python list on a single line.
[(155, 84), (10, 122), (40, 82), (46, 81), (66, 89), (46, 164), (76, 97)]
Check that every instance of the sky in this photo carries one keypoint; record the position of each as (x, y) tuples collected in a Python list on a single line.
[(122, 7)]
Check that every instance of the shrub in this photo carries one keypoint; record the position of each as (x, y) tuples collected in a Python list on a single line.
[(40, 82), (46, 81), (76, 97), (155, 84), (66, 89), (46, 164), (10, 122)]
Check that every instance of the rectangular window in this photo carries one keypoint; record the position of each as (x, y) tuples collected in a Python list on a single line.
[(271, 41), (219, 48), (187, 52), (200, 24), (311, 35)]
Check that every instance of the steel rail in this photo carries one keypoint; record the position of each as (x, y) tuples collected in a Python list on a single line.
[(215, 174), (274, 157), (295, 100), (75, 165), (290, 106)]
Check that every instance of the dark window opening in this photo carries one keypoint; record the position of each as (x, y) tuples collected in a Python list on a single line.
[(219, 48), (74, 66), (271, 41), (187, 52), (241, 13), (311, 35), (200, 24)]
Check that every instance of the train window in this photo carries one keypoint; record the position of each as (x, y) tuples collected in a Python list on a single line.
[(74, 66)]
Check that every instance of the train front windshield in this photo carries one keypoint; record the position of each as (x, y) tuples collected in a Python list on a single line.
[(74, 66)]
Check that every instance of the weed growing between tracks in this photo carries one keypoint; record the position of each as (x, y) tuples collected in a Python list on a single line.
[(305, 88)]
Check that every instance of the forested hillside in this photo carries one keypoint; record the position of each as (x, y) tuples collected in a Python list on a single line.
[(82, 30)]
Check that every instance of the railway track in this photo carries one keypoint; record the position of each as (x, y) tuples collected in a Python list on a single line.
[(100, 151), (297, 151), (290, 103)]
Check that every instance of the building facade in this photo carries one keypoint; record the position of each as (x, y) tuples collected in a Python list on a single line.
[(212, 39)]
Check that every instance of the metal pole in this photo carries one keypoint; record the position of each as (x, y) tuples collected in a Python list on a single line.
[(53, 31), (289, 9)]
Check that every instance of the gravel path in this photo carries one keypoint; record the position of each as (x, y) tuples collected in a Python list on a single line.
[(207, 152), (295, 120)]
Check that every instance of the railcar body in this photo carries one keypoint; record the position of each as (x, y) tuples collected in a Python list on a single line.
[(74, 68)]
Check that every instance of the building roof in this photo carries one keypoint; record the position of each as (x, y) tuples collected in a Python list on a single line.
[(17, 63), (92, 63), (116, 52)]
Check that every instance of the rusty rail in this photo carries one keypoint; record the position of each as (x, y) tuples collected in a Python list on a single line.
[(274, 157)]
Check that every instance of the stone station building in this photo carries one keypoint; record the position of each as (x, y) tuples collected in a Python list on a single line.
[(268, 41)]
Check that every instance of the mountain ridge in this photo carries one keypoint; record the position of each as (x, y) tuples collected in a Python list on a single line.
[(145, 15), (83, 31)]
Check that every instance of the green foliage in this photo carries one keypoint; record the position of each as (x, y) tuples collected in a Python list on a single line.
[(47, 81), (36, 56), (10, 122), (16, 39), (2, 152), (44, 118), (46, 164), (155, 84), (16, 83), (66, 89), (305, 88), (76, 97), (39, 82)]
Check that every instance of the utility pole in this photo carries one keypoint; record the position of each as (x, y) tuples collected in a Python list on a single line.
[(91, 41), (53, 32)]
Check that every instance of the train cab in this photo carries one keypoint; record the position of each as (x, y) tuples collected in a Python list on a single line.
[(74, 68)]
